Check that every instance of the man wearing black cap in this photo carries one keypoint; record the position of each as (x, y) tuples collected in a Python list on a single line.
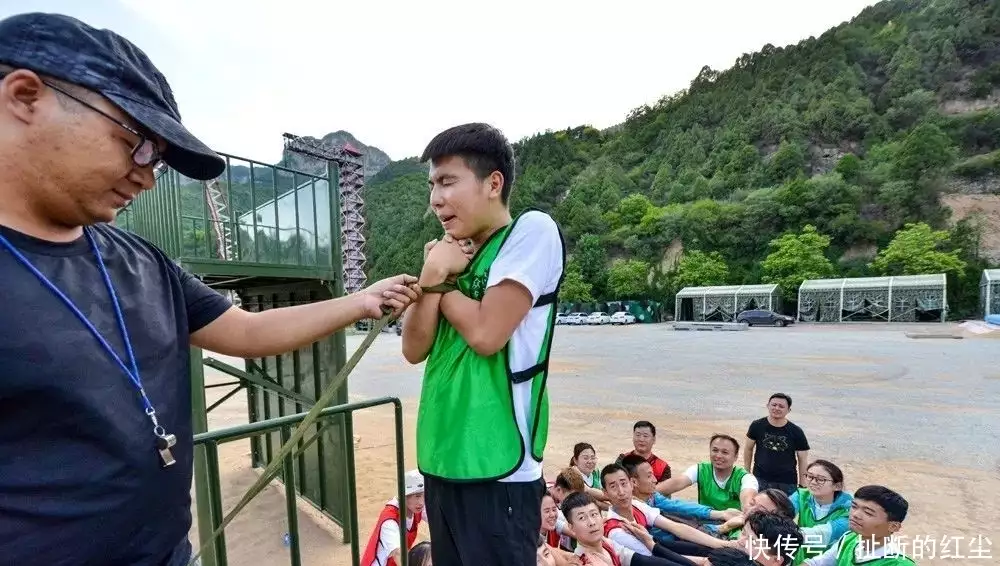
[(96, 323)]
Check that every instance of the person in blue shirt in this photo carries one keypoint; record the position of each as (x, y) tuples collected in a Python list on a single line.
[(644, 489)]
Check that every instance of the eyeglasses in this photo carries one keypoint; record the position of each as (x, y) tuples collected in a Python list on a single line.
[(144, 154), (818, 480)]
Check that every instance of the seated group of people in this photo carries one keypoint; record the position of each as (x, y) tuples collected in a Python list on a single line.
[(623, 514)]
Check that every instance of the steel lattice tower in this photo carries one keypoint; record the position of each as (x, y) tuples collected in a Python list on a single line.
[(351, 166), (352, 211)]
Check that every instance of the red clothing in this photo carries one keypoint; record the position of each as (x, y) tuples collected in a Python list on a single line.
[(615, 561), (612, 524), (389, 513), (552, 538), (661, 469)]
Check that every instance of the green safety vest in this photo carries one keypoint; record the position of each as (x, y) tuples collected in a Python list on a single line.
[(845, 554), (711, 495), (807, 519), (466, 426)]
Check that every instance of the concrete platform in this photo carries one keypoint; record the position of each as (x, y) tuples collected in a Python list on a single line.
[(685, 325)]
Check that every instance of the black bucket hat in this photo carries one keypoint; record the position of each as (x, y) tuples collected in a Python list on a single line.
[(102, 61)]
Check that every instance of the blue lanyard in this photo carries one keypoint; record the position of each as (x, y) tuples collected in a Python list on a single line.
[(132, 373)]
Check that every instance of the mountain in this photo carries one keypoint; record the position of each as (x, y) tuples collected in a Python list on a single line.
[(843, 144), (375, 160)]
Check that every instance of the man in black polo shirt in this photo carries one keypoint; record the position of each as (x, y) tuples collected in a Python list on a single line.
[(96, 323), (775, 445)]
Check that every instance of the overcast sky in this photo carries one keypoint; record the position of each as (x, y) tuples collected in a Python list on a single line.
[(394, 73)]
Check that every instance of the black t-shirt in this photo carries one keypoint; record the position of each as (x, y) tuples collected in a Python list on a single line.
[(80, 478), (774, 454)]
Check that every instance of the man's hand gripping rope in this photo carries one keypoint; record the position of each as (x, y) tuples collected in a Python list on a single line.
[(274, 467)]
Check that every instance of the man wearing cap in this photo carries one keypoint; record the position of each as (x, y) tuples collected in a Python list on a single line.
[(383, 544), (97, 324)]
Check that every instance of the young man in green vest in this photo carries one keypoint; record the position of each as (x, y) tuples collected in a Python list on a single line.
[(482, 423), (877, 513), (721, 483)]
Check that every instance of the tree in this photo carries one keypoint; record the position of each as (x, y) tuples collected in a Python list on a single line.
[(963, 289), (797, 257), (574, 289), (628, 279), (592, 258), (905, 72), (948, 64), (700, 269), (661, 182), (632, 208), (849, 167), (925, 150), (917, 249), (788, 162)]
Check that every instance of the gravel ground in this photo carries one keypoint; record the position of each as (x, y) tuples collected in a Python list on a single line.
[(867, 390)]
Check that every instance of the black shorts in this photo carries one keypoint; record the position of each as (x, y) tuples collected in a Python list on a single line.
[(483, 524)]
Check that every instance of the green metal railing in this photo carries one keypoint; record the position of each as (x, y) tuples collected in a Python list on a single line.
[(283, 247), (256, 379), (207, 455)]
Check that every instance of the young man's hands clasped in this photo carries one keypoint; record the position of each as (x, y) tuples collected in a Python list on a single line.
[(444, 259)]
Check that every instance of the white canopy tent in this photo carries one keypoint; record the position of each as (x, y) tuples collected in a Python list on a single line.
[(989, 292), (723, 303), (903, 298)]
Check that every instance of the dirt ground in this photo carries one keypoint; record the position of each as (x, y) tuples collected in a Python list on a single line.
[(952, 507)]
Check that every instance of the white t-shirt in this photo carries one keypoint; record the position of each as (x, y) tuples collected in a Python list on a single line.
[(388, 537), (624, 554), (748, 481), (627, 539), (561, 521), (533, 257)]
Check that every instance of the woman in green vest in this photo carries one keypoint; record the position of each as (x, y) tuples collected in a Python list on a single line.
[(584, 461), (823, 509)]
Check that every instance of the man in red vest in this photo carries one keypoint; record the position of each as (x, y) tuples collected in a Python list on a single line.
[(628, 515), (643, 439), (383, 544)]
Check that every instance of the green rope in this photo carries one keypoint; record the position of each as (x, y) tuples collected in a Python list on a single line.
[(274, 467)]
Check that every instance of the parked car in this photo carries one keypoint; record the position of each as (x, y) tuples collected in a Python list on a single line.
[(575, 318), (598, 318), (764, 318), (622, 317)]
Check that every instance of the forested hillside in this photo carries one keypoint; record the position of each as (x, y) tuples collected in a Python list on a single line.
[(798, 162)]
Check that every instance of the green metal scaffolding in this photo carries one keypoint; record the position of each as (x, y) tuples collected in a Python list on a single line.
[(270, 237)]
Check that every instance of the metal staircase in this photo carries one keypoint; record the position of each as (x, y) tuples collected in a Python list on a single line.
[(215, 198)]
